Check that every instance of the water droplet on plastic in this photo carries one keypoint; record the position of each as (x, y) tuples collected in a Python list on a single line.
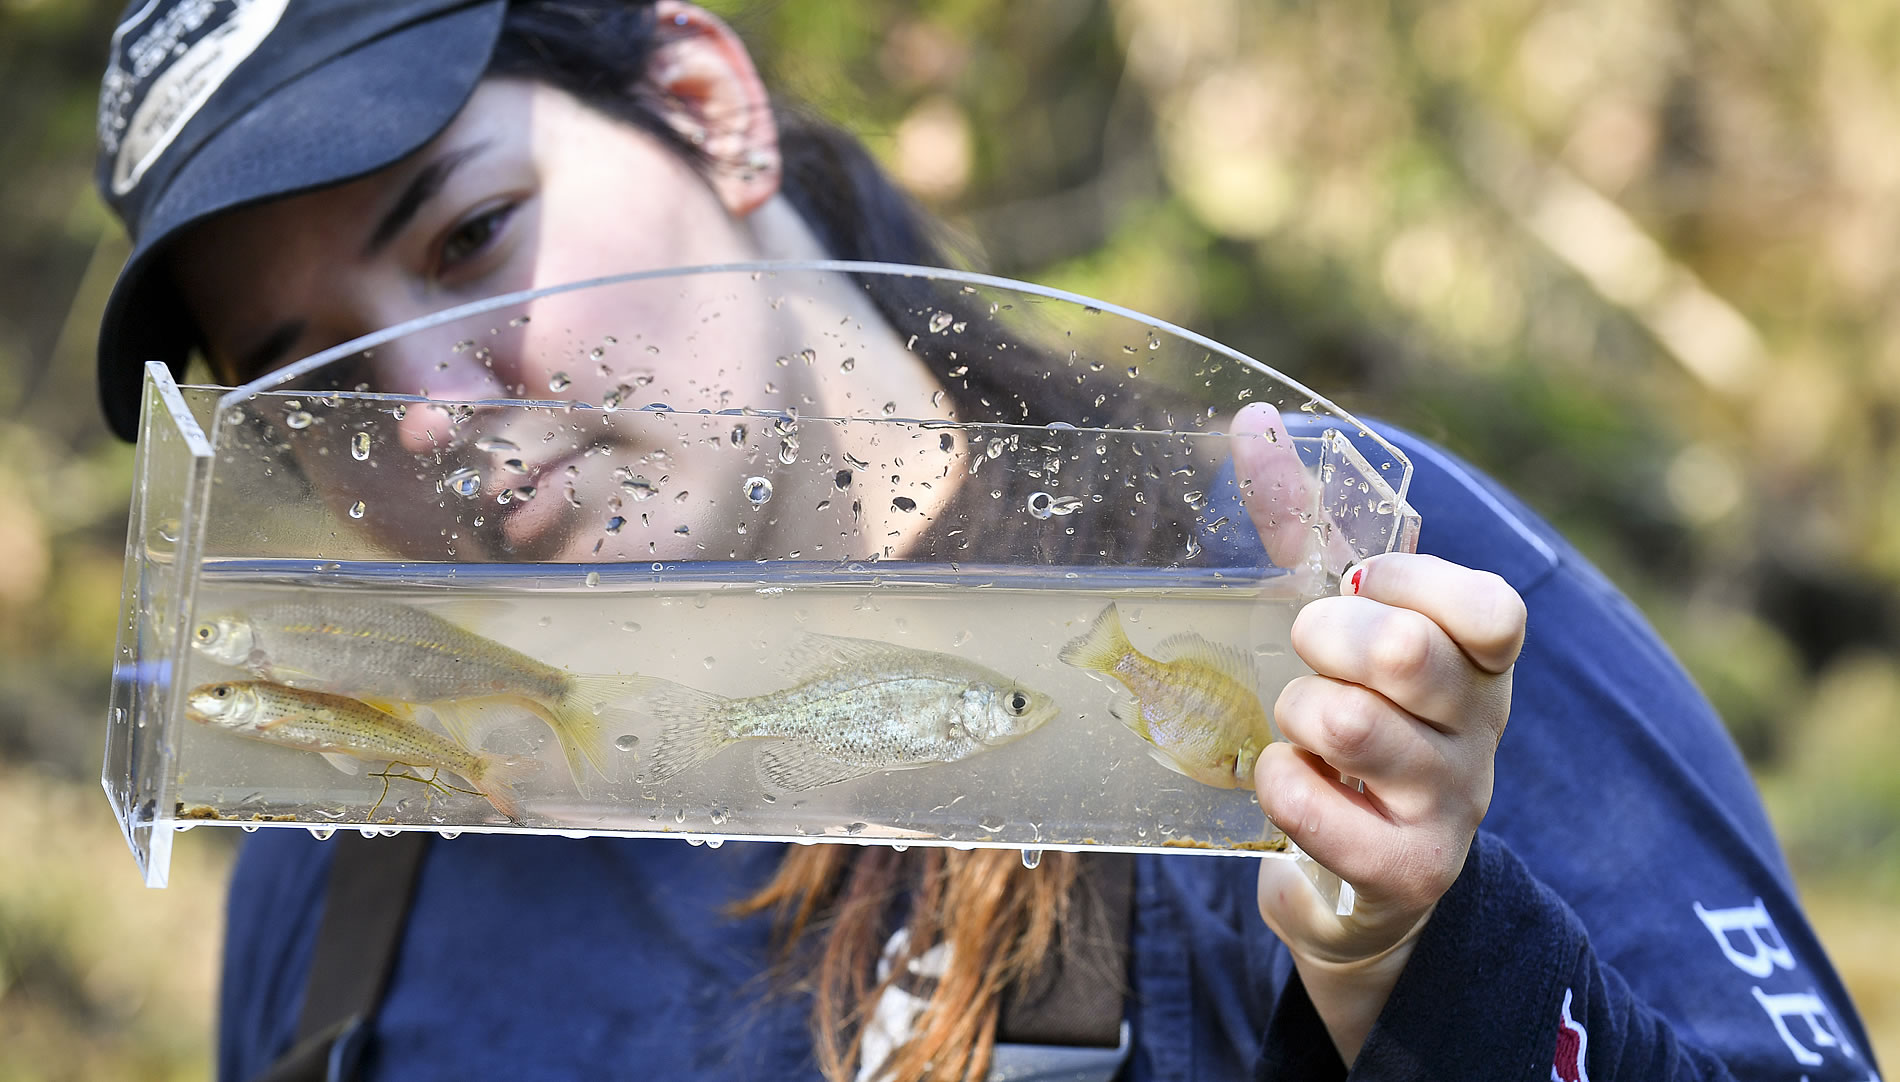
[(788, 451), (322, 834), (495, 445), (615, 523), (626, 742), (637, 485), (1032, 857), (1193, 547), (847, 364), (298, 419), (842, 480), (465, 482), (940, 321), (714, 843), (593, 578), (717, 815), (358, 508), (758, 490), (1195, 499), (854, 829), (359, 446), (738, 435), (1041, 505), (559, 381)]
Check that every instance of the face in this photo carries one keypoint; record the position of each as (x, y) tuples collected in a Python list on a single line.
[(530, 188)]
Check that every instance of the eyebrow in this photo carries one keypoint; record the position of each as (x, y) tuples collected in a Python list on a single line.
[(420, 189)]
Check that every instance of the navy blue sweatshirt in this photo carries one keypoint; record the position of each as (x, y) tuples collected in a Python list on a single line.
[(1625, 912)]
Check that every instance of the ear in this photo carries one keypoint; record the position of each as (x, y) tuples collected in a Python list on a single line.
[(712, 95)]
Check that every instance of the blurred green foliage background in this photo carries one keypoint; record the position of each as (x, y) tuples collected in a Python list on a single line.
[(1638, 259)]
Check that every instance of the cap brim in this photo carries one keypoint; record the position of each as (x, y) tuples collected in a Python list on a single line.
[(351, 116)]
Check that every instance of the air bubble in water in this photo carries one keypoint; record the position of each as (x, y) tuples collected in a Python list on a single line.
[(359, 446), (298, 419), (465, 482), (559, 381), (357, 509), (940, 322), (758, 490), (627, 742)]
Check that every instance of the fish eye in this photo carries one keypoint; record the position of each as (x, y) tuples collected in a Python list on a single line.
[(222, 691), (1017, 704), (206, 633)]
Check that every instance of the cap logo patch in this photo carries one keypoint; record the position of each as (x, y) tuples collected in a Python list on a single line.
[(164, 67)]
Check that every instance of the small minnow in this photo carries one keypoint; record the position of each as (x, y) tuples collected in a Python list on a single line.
[(861, 707), (334, 726), (398, 657), (1195, 704)]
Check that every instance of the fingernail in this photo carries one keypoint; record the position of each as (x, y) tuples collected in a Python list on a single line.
[(1352, 581)]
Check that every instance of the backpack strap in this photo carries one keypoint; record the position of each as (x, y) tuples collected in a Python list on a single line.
[(372, 882), (1066, 1020)]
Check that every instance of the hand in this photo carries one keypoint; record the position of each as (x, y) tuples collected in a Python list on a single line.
[(1412, 691)]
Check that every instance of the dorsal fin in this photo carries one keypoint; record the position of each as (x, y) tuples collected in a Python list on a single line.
[(813, 655), (1224, 659)]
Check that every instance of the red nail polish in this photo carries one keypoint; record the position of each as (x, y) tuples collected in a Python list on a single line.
[(1356, 575)]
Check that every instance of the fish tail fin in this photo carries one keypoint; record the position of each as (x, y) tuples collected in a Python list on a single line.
[(585, 725), (1102, 645), (697, 727), (496, 776)]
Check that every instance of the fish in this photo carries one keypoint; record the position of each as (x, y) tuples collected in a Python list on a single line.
[(397, 657), (1195, 702), (860, 707), (335, 727)]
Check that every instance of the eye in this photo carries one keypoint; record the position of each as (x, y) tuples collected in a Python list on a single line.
[(205, 633), (471, 237), (222, 691), (1017, 704)]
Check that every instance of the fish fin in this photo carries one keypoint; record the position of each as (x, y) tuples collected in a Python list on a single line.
[(1102, 645), (343, 762), (457, 718), (793, 768), (813, 655), (469, 613), (1227, 660), (405, 711), (497, 777), (585, 725), (696, 727), (1128, 712), (1162, 757)]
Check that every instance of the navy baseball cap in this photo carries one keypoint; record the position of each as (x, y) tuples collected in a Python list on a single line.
[(209, 105)]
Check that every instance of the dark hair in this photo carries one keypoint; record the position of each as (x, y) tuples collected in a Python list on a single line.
[(598, 51)]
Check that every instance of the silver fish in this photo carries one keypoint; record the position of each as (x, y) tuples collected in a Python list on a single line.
[(334, 726), (396, 656), (861, 707)]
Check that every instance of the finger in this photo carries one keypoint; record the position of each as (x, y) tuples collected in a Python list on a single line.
[(1345, 831), (1402, 654), (1359, 732), (1478, 609)]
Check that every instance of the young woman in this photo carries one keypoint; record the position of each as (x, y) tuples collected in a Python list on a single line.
[(1595, 893)]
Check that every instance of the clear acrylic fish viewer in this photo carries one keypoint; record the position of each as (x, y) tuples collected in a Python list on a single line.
[(690, 474)]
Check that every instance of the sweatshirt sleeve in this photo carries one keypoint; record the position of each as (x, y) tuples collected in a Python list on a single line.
[(1625, 911), (1505, 984)]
